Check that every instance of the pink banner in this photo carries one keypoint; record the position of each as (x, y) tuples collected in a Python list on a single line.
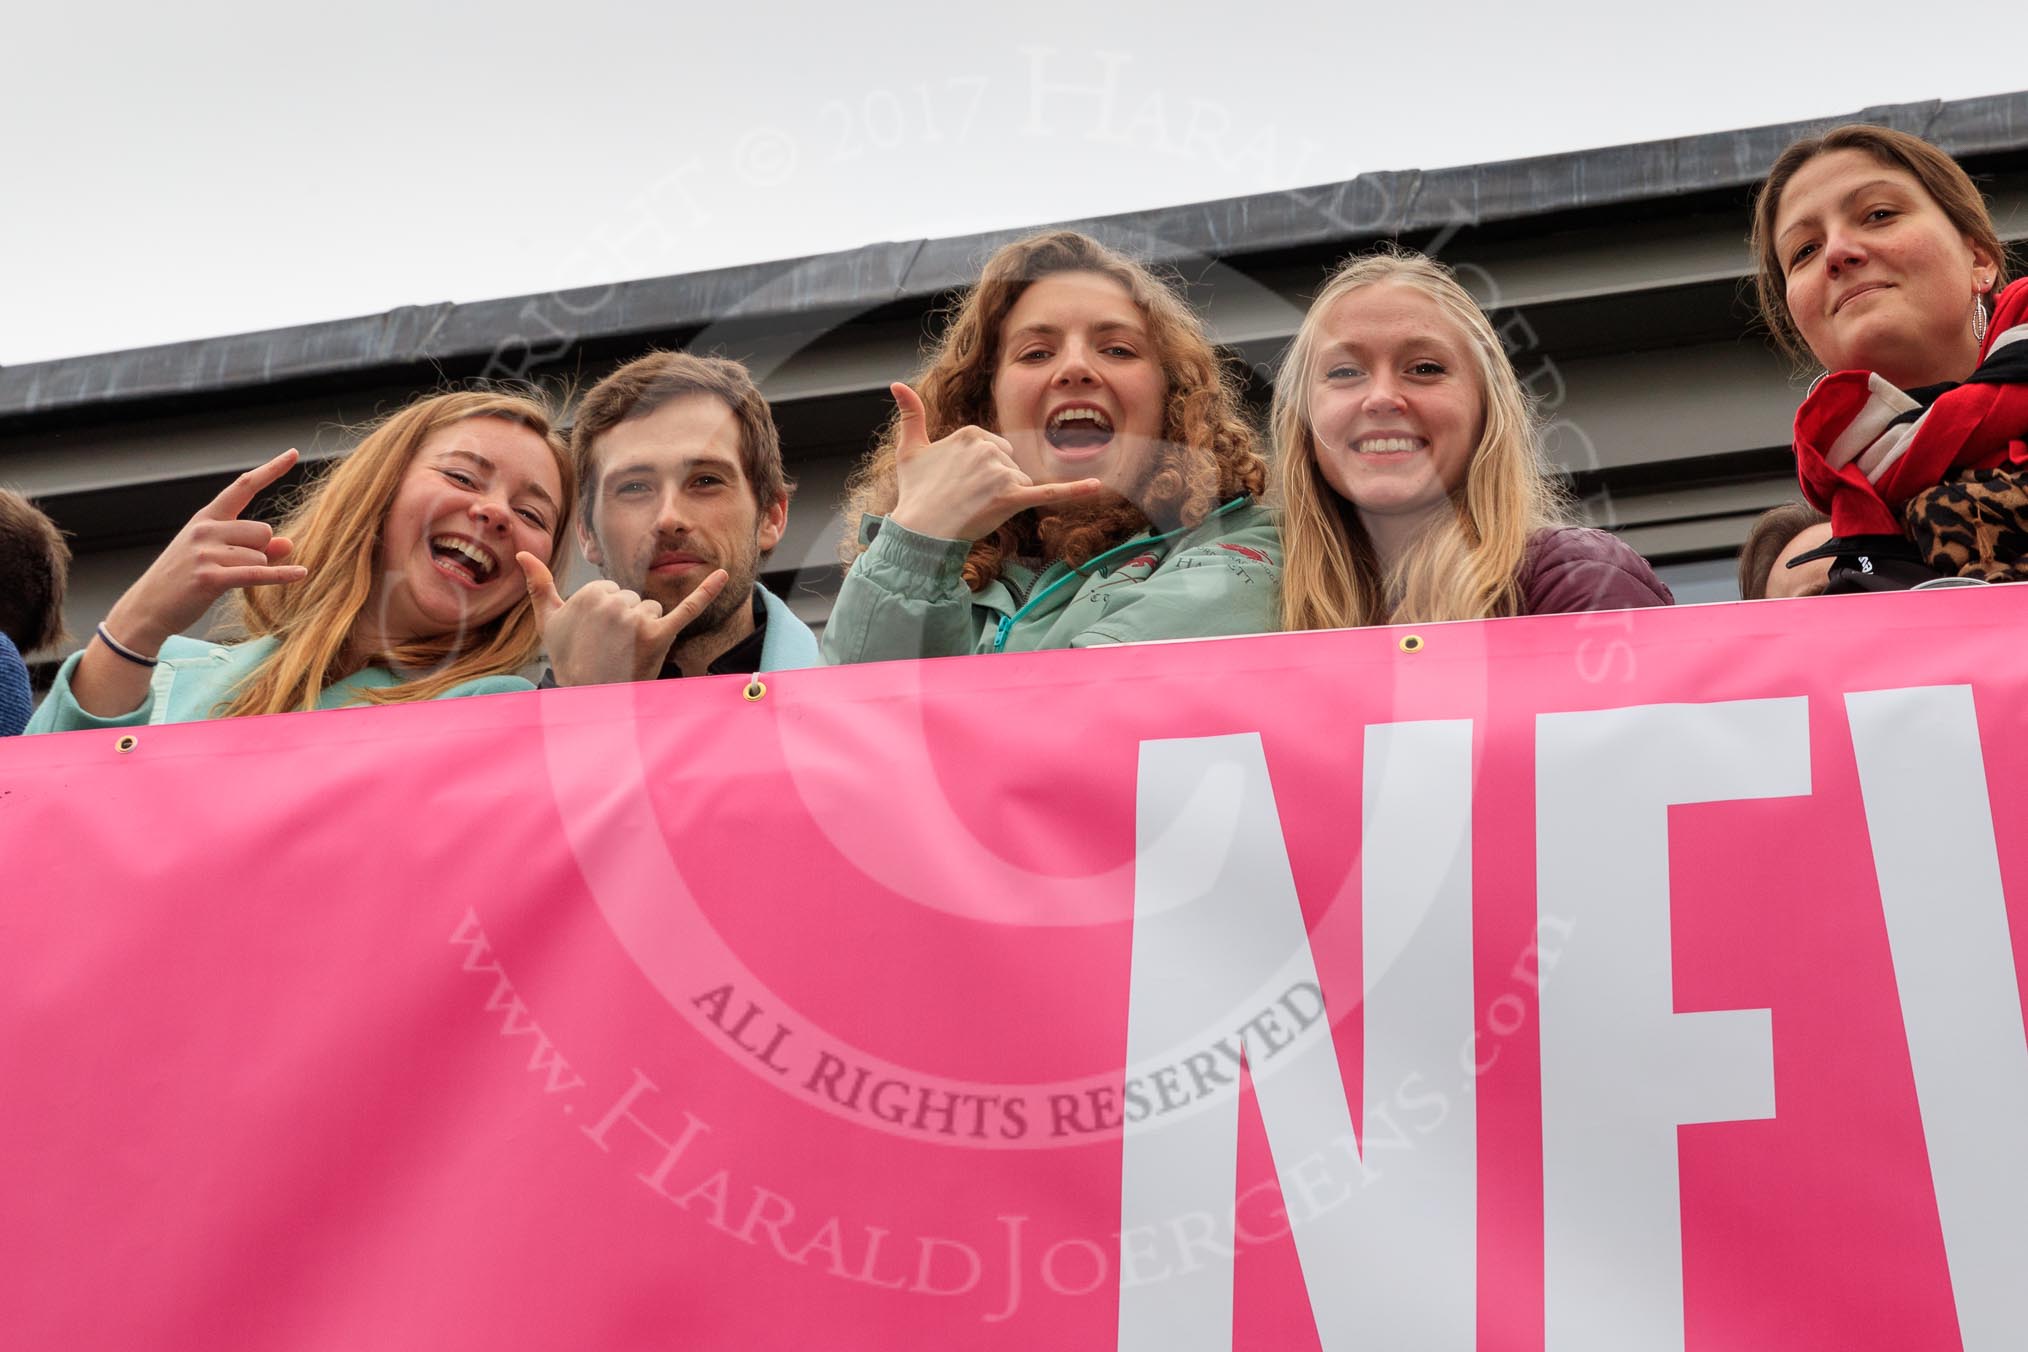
[(1640, 980)]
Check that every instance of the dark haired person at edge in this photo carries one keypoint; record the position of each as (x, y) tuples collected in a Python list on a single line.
[(1876, 256), (1409, 472), (34, 572), (680, 468), (392, 581), (1780, 534), (1075, 471)]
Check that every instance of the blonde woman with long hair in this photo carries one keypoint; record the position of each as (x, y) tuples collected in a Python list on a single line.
[(393, 579), (1409, 469)]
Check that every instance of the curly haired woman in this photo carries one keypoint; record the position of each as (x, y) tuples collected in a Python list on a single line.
[(1075, 471)]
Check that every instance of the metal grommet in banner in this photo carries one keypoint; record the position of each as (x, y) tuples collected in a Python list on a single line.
[(1411, 643), (755, 690), (126, 743)]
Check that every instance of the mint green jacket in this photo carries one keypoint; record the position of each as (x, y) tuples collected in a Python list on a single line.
[(194, 677), (906, 595)]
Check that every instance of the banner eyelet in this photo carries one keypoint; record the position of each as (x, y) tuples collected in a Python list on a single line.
[(1411, 643), (127, 742), (756, 689)]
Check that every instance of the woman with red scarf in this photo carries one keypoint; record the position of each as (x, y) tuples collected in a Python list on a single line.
[(1877, 258)]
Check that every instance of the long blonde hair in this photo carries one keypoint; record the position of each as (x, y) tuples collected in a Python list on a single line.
[(1209, 452), (1467, 564), (337, 528)]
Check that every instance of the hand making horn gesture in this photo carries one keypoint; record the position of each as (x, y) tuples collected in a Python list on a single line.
[(215, 552), (605, 633), (967, 485)]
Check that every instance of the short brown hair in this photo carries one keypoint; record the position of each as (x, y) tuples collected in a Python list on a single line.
[(1948, 186), (34, 573), (647, 383), (1766, 541)]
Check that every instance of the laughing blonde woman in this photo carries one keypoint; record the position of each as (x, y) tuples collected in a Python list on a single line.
[(393, 581)]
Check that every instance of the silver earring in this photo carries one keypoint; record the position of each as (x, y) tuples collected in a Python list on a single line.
[(1978, 321)]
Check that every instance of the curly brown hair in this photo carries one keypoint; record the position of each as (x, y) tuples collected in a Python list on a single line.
[(1209, 451)]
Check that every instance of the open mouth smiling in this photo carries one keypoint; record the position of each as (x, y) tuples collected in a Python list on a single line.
[(1079, 428), (1389, 445), (466, 560)]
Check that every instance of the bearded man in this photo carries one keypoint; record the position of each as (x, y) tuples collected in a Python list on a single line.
[(679, 468)]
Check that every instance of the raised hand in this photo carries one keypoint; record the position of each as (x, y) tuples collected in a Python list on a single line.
[(605, 633), (967, 485), (215, 552), (212, 554)]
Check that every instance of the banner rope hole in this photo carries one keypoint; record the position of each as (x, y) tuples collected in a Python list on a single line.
[(756, 689), (1411, 643)]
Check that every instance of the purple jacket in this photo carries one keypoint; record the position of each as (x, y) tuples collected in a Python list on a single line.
[(1571, 568)]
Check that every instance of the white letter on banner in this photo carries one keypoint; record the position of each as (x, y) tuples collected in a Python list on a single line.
[(1620, 1068), (1923, 779), (1388, 1253)]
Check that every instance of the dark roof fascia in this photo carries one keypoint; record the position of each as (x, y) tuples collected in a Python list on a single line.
[(524, 330)]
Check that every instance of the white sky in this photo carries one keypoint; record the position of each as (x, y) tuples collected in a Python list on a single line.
[(224, 167)]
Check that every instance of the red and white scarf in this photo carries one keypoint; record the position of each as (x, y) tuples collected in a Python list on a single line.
[(1864, 447)]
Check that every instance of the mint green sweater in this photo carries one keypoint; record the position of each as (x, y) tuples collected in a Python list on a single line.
[(906, 595), (194, 677)]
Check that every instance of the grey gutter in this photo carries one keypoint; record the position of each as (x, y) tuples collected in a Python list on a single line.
[(1374, 205)]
